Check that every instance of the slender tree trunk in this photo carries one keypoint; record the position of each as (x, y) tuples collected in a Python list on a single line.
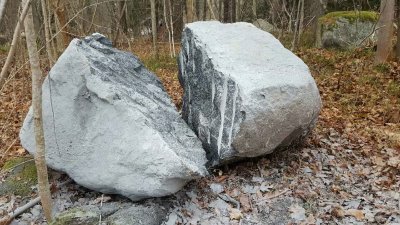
[(384, 45), (172, 27), (398, 31), (4, 71), (233, 11), (301, 23), (201, 10), (221, 10), (43, 181), (59, 7), (189, 11), (296, 26), (237, 10), (154, 26), (254, 9), (122, 15), (167, 26), (210, 8), (226, 11), (3, 4), (49, 50)]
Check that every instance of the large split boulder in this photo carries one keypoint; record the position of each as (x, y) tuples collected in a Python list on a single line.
[(347, 29), (110, 125), (244, 93)]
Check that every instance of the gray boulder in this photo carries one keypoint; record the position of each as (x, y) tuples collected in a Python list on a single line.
[(110, 125), (347, 30), (265, 25), (244, 93)]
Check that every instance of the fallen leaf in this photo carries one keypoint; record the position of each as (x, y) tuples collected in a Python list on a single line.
[(245, 203), (338, 212), (21, 151), (235, 214), (378, 161), (297, 212), (358, 214), (394, 162)]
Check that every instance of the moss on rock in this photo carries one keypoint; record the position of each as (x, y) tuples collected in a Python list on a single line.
[(332, 17), (22, 176), (77, 216)]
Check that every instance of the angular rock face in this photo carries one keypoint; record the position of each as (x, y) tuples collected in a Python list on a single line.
[(244, 93), (110, 125)]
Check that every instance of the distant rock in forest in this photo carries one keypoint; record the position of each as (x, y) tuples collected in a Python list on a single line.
[(347, 29)]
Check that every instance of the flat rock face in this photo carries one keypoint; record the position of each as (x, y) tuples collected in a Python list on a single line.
[(110, 125), (244, 93)]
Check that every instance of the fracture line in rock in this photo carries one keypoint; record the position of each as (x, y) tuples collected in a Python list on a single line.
[(233, 112), (222, 110), (212, 92), (189, 106)]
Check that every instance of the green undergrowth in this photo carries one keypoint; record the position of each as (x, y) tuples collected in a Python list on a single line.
[(164, 61), (4, 48), (22, 175)]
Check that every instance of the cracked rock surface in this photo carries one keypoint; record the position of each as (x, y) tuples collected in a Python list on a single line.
[(245, 95), (110, 125)]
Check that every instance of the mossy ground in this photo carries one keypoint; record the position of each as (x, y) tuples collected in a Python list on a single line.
[(21, 177), (331, 18), (76, 216)]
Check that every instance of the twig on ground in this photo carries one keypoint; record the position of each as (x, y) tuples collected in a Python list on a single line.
[(11, 216), (273, 196)]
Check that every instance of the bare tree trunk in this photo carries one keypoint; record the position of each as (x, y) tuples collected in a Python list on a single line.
[(384, 45), (154, 26), (296, 27), (201, 10), (233, 11), (398, 31), (237, 10), (49, 50), (301, 23), (189, 11), (59, 9), (122, 15), (221, 10), (172, 28), (11, 52), (3, 4), (40, 161), (226, 11), (167, 26), (210, 7), (254, 9)]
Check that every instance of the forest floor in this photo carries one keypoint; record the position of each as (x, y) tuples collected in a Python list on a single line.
[(347, 172)]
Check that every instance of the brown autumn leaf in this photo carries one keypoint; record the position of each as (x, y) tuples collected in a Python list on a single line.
[(21, 151), (245, 203), (338, 212), (235, 214), (358, 214)]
